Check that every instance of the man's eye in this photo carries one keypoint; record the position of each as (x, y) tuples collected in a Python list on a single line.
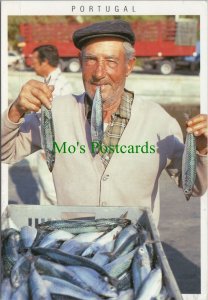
[(112, 63), (90, 60)]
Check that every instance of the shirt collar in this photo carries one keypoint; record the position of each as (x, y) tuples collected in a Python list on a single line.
[(54, 74), (124, 109)]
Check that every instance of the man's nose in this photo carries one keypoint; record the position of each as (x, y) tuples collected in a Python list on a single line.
[(100, 70)]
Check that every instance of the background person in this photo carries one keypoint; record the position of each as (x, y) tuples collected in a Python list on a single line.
[(45, 61)]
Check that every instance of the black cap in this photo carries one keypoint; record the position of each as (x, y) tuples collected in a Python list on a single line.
[(114, 28)]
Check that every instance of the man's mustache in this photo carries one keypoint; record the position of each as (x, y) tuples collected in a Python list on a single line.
[(98, 82)]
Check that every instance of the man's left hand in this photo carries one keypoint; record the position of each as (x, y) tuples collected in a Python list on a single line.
[(199, 126)]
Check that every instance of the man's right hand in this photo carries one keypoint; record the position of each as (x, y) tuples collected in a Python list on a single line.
[(33, 94)]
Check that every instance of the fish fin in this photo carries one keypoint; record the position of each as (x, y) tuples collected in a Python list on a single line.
[(114, 282), (188, 196)]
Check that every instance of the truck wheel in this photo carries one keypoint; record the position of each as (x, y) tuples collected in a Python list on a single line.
[(165, 67), (74, 65)]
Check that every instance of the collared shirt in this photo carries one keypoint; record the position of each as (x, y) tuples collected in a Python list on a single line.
[(114, 129), (60, 82)]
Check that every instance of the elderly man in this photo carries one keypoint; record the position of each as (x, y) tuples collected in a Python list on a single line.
[(106, 178), (45, 60)]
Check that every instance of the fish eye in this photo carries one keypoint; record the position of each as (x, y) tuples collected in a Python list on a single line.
[(141, 250)]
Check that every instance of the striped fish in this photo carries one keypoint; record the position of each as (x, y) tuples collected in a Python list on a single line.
[(47, 134), (189, 165), (97, 117)]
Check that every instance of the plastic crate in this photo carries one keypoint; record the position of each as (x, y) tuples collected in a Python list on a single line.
[(21, 215)]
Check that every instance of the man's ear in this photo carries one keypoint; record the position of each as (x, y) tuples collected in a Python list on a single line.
[(130, 65), (45, 62)]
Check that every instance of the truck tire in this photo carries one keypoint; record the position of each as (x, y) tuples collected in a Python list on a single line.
[(165, 67), (73, 65)]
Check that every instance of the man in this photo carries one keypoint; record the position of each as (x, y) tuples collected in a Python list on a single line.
[(45, 60), (81, 175)]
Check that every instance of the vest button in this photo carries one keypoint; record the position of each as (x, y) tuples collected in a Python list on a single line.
[(105, 177)]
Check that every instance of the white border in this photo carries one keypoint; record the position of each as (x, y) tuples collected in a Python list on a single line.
[(196, 7)]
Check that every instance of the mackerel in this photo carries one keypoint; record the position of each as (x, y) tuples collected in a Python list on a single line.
[(189, 165), (151, 287), (38, 289), (48, 134), (97, 117), (63, 287), (140, 267), (67, 259)]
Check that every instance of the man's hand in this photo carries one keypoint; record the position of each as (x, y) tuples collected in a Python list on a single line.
[(33, 94), (199, 126)]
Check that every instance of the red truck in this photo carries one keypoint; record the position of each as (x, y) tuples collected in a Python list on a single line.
[(162, 45)]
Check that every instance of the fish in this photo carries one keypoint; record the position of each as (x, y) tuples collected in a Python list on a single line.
[(119, 265), (68, 259), (45, 267), (7, 232), (74, 247), (48, 134), (140, 267), (124, 281), (102, 257), (127, 245), (57, 235), (63, 287), (124, 234), (95, 281), (189, 165), (154, 280), (27, 236), (6, 289), (83, 226), (126, 295), (97, 118), (88, 237), (21, 293), (10, 252), (95, 246), (163, 295), (21, 270), (38, 288)]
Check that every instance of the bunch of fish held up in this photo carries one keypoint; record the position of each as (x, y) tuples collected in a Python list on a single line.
[(81, 259)]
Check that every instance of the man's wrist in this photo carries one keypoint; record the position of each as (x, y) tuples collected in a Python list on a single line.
[(203, 151), (15, 113)]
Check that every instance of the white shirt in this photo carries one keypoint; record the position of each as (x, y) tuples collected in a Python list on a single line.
[(61, 83)]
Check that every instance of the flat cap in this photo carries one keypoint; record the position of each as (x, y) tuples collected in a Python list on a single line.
[(114, 28)]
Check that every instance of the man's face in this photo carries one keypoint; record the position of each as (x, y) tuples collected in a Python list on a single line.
[(36, 65), (104, 65)]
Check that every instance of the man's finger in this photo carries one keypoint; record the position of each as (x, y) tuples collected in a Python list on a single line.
[(197, 119)]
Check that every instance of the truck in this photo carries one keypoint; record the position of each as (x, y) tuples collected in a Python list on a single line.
[(160, 45)]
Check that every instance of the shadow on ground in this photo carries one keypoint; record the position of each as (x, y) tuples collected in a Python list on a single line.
[(182, 269), (25, 184)]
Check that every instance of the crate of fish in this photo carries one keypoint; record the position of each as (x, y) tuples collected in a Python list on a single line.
[(61, 252)]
